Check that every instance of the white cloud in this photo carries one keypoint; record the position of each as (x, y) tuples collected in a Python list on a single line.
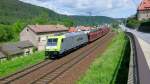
[(110, 8)]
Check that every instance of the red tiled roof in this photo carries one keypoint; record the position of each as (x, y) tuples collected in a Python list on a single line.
[(72, 29), (47, 28), (85, 28), (145, 4)]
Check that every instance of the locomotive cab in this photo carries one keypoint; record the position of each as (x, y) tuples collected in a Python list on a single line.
[(53, 46)]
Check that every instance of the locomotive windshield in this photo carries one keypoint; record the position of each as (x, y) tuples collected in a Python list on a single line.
[(52, 42)]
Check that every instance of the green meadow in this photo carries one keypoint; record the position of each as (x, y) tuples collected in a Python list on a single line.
[(112, 66), (11, 66)]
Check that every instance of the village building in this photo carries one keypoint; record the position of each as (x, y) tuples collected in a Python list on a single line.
[(84, 28), (143, 11), (73, 29), (2, 56), (26, 46), (12, 50), (38, 34)]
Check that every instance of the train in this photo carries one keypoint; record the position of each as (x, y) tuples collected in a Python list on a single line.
[(58, 45)]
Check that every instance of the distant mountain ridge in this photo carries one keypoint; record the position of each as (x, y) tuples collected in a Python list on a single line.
[(92, 20)]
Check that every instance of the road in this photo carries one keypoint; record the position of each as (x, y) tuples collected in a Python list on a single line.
[(144, 36)]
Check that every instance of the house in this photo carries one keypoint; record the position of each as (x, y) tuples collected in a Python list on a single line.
[(2, 56), (12, 50), (38, 34), (26, 46), (73, 29), (83, 28), (143, 11)]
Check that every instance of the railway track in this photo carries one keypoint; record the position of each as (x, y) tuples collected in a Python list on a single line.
[(49, 70), (26, 71), (139, 72), (67, 65)]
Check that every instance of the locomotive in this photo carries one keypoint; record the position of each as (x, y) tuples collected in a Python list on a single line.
[(58, 45)]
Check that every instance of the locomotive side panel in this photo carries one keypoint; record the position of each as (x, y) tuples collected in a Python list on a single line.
[(73, 41)]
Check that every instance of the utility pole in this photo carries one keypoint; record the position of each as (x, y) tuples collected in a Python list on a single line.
[(92, 18), (90, 13)]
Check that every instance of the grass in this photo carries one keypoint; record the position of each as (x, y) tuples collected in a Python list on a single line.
[(105, 69), (121, 76), (12, 66)]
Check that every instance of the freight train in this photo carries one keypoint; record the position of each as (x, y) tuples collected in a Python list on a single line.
[(58, 45)]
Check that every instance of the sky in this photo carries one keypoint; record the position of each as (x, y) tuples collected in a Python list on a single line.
[(110, 8)]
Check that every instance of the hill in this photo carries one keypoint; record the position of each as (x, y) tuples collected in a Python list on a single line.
[(92, 20), (15, 15), (14, 10)]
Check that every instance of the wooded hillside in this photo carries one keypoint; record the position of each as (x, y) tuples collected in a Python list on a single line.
[(15, 15)]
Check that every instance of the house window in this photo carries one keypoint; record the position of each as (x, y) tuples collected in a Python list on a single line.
[(39, 39), (27, 52)]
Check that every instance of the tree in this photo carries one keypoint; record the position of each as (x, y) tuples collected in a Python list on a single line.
[(133, 23), (68, 22), (17, 27), (41, 19), (6, 33), (115, 25)]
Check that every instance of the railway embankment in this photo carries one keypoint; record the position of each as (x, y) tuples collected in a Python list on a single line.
[(12, 66), (48, 71), (73, 74), (111, 56), (112, 66)]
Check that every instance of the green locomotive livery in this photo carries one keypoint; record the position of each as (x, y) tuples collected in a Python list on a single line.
[(57, 45)]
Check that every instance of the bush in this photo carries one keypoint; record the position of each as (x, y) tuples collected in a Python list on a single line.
[(6, 33), (145, 27), (11, 32), (133, 23)]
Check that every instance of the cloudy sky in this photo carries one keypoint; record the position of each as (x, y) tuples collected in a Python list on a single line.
[(111, 8)]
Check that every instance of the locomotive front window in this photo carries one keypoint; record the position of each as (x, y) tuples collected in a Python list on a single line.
[(52, 42)]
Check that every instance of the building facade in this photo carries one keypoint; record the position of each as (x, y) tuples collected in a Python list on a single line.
[(2, 56), (26, 46), (143, 11), (38, 34), (13, 50)]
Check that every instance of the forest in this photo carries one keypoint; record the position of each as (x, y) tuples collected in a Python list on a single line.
[(15, 15)]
